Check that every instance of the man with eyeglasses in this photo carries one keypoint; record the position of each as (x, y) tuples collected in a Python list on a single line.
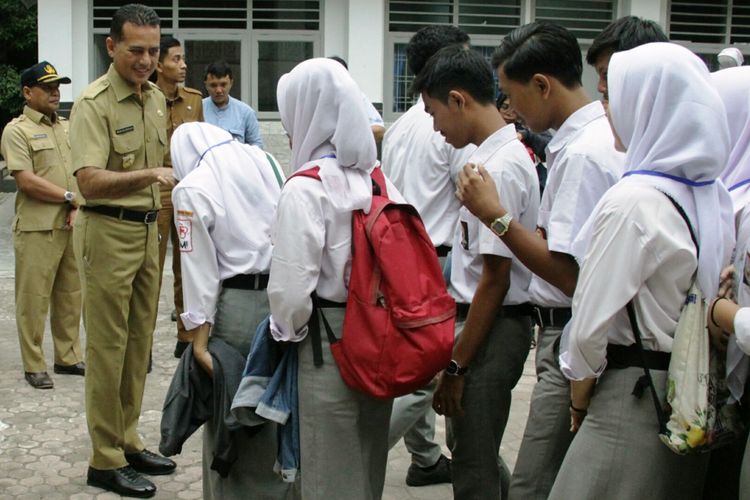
[(36, 149)]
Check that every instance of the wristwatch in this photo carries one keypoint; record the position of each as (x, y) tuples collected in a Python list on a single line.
[(454, 369), (501, 225), (69, 196)]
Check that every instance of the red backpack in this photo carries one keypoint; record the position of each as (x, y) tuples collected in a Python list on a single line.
[(399, 320)]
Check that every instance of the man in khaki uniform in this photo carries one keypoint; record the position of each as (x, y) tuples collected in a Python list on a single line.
[(183, 105), (36, 149), (118, 138)]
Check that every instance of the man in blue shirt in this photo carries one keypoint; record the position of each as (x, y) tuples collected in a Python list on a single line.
[(225, 111)]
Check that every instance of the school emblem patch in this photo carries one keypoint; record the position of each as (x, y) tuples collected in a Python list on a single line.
[(185, 234)]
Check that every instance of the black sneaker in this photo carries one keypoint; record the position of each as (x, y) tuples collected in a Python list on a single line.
[(436, 474), (124, 481)]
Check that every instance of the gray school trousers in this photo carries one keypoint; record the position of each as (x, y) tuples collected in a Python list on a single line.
[(238, 314), (547, 434), (477, 467), (617, 452), (343, 433)]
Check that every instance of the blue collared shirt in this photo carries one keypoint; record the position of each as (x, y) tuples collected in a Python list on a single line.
[(236, 117)]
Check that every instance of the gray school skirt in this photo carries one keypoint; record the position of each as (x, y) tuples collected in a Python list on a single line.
[(617, 454)]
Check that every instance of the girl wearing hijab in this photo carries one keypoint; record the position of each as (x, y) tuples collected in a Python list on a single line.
[(224, 206), (671, 123), (343, 433), (733, 85)]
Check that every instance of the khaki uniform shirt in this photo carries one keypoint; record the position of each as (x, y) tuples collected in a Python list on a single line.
[(112, 128), (34, 142), (186, 107)]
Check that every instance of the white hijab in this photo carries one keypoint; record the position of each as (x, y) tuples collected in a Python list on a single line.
[(322, 110), (190, 142), (672, 122), (733, 85)]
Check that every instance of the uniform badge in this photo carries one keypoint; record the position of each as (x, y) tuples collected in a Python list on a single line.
[(185, 234)]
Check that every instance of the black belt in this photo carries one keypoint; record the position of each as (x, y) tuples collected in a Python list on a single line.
[(622, 356), (514, 311), (329, 304), (556, 317), (247, 282), (443, 250), (148, 217)]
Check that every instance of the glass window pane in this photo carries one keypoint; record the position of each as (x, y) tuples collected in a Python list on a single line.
[(274, 59), (200, 53)]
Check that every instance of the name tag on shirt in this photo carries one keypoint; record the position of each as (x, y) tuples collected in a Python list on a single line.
[(124, 130)]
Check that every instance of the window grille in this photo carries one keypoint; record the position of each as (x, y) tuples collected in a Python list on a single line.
[(286, 14), (584, 18), (104, 10), (212, 14), (710, 21)]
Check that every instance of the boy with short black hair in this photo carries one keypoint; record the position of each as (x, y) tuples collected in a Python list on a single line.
[(622, 34), (489, 284), (539, 66)]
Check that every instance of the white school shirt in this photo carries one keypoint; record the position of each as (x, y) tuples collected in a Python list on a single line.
[(312, 252), (373, 117), (641, 249), (582, 164), (224, 229), (508, 162), (424, 168), (738, 349)]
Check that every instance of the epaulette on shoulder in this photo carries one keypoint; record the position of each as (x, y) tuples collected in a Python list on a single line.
[(193, 91), (96, 88), (18, 119)]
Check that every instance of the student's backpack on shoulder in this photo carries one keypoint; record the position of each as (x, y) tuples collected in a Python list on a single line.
[(399, 320)]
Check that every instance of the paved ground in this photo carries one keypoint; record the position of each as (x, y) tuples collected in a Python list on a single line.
[(43, 440)]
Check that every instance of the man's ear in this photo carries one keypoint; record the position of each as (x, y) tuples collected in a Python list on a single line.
[(542, 84), (110, 43), (458, 98)]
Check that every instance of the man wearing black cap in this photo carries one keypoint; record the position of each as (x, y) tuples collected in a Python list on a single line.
[(36, 149)]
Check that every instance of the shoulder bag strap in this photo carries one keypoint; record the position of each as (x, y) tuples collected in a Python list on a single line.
[(646, 379)]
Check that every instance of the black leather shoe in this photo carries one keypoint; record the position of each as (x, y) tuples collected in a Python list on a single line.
[(38, 380), (76, 369), (124, 481), (147, 462)]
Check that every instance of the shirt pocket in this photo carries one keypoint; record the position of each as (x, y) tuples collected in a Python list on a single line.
[(44, 154), (126, 148)]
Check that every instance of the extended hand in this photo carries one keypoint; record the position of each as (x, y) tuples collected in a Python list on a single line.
[(727, 282), (164, 176), (477, 191), (448, 394)]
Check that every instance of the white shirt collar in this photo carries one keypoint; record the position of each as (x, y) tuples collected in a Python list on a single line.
[(574, 124)]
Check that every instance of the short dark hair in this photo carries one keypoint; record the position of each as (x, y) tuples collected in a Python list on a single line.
[(133, 13), (624, 34), (167, 42), (540, 47), (429, 40), (456, 67), (340, 61), (218, 69)]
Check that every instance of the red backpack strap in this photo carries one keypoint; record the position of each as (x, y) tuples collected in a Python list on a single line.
[(312, 172), (379, 179)]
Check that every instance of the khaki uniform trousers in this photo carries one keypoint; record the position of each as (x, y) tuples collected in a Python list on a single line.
[(167, 232), (119, 268), (47, 281)]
